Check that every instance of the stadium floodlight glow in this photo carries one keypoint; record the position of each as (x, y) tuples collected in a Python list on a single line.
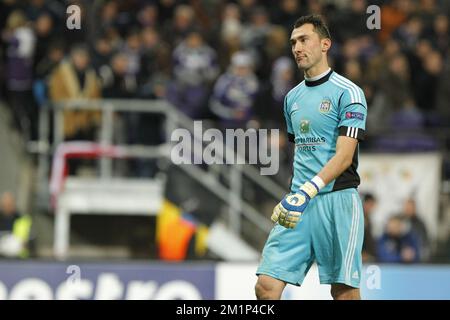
[(262, 145)]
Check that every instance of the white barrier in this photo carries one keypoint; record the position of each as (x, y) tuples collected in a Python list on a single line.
[(393, 178)]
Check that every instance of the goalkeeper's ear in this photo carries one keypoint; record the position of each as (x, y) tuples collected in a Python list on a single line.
[(325, 44)]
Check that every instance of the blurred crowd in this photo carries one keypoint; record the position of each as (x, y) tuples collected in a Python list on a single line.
[(230, 62), (223, 60), (405, 238)]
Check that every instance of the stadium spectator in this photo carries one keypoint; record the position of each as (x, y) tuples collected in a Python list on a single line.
[(102, 52), (148, 16), (235, 91), (409, 33), (230, 33), (155, 65), (315, 7), (397, 244), (427, 10), (417, 226), (194, 69), (166, 9), (352, 70), (44, 29), (426, 67), (138, 128), (442, 98), (36, 8), (108, 16), (247, 8), (14, 229), (271, 99), (8, 212), (51, 60), (20, 48), (117, 81), (349, 50), (177, 30), (277, 45), (75, 79), (394, 91), (282, 78), (369, 252), (440, 34), (254, 37), (132, 49), (352, 21), (6, 7), (286, 13), (393, 15), (377, 70), (377, 65)]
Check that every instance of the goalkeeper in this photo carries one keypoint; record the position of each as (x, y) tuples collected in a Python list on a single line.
[(321, 219)]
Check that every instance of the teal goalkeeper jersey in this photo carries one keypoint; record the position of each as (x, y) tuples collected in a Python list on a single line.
[(316, 113)]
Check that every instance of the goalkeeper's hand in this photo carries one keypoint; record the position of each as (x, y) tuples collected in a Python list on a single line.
[(287, 213)]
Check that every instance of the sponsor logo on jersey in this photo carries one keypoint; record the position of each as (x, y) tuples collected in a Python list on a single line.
[(311, 140), (309, 143)]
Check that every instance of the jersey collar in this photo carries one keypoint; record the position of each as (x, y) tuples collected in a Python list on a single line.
[(321, 79)]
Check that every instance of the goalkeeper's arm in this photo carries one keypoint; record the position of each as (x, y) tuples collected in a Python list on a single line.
[(287, 213), (345, 149)]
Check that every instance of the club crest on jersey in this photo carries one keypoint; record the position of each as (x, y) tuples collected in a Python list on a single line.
[(305, 126), (325, 106)]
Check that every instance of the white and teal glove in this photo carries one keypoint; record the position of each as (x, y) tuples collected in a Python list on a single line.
[(287, 213)]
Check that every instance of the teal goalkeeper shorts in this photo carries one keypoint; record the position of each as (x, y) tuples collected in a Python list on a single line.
[(330, 232)]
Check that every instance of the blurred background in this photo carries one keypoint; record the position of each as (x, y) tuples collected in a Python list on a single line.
[(92, 207)]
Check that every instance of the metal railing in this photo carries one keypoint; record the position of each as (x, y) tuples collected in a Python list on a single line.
[(207, 176), (230, 194)]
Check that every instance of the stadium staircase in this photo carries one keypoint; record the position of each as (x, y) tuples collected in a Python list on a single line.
[(239, 216), (15, 167)]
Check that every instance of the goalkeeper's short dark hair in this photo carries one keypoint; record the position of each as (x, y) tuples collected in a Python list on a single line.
[(320, 27)]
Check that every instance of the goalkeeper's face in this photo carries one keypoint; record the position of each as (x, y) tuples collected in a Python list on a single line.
[(308, 47)]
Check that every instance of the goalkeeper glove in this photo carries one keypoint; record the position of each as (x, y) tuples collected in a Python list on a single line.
[(287, 213)]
